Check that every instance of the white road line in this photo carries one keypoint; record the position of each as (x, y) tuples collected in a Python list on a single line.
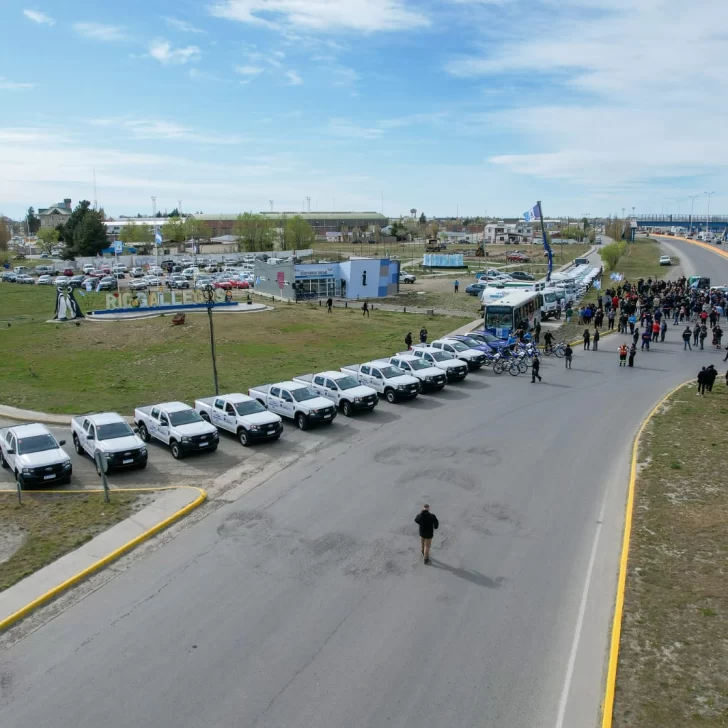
[(580, 620)]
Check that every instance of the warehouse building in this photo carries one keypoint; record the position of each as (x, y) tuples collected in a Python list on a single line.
[(321, 222)]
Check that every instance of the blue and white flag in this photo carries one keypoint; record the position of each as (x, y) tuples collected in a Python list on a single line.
[(158, 238), (597, 284), (533, 214)]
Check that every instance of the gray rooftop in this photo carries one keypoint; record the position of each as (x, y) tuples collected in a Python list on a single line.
[(336, 216)]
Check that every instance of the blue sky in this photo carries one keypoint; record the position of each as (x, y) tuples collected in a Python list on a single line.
[(451, 105)]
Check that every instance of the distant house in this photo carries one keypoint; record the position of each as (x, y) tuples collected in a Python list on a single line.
[(55, 214)]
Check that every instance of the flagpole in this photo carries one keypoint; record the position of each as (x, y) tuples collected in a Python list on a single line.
[(546, 245)]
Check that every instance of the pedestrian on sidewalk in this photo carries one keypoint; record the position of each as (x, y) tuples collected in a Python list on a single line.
[(568, 354), (428, 524), (663, 330), (587, 339), (457, 286), (703, 334), (696, 333), (569, 313), (329, 304), (423, 335), (535, 367), (610, 319), (365, 309), (596, 339), (717, 336), (408, 340), (686, 336), (632, 354), (623, 355)]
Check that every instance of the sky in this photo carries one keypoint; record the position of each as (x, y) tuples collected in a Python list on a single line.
[(450, 107)]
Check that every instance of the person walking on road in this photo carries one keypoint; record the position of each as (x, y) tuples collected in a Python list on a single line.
[(595, 338), (696, 333), (686, 336), (623, 355), (632, 354), (646, 338), (535, 367), (663, 330), (632, 321), (610, 319), (428, 524), (548, 341), (703, 334), (408, 340), (568, 354), (423, 335), (537, 332), (587, 339), (655, 331)]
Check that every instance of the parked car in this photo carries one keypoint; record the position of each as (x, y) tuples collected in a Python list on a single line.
[(110, 434), (242, 415), (475, 289), (152, 280), (473, 357), (665, 260), (9, 277), (295, 401), (156, 270), (176, 281), (178, 425), (390, 381), (77, 281), (87, 268), (137, 272), (45, 280), (405, 277), (225, 285), (431, 378), (517, 256), (203, 282), (342, 389), (108, 283), (26, 279), (140, 284), (454, 369), (68, 272), (520, 275), (34, 455)]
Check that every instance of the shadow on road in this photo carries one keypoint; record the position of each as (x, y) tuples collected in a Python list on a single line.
[(474, 577), (552, 384)]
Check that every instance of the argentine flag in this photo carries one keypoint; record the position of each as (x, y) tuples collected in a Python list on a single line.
[(533, 214), (158, 238)]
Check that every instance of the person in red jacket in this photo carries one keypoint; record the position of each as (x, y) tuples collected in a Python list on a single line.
[(655, 331)]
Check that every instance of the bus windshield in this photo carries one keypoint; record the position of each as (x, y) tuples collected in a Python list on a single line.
[(499, 316)]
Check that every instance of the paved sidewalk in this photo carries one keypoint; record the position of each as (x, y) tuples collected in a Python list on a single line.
[(47, 583)]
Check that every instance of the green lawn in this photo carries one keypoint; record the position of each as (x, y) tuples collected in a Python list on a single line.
[(97, 366), (673, 662), (47, 526)]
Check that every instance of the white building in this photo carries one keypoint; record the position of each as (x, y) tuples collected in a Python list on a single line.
[(114, 227), (504, 233)]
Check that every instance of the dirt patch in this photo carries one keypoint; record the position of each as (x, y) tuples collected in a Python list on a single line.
[(12, 538), (673, 663)]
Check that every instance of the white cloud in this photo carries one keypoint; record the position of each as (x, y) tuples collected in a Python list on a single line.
[(8, 85), (324, 15), (629, 97), (293, 78), (38, 17), (248, 70), (162, 129), (347, 129), (100, 31), (182, 25), (163, 51)]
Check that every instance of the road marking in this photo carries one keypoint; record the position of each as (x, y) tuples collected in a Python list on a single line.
[(608, 703), (580, 619)]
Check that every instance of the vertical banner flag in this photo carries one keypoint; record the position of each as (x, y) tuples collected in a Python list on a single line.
[(531, 215), (158, 238)]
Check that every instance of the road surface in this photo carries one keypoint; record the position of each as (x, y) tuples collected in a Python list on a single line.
[(306, 603)]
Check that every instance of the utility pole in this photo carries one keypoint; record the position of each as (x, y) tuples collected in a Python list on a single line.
[(154, 229), (308, 202), (707, 214), (692, 205)]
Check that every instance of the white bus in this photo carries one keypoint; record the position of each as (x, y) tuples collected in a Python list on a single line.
[(505, 315)]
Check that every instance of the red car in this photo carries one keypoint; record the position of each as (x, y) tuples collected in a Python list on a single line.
[(68, 272), (517, 257), (225, 285)]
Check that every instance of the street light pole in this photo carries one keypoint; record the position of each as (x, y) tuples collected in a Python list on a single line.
[(707, 214), (209, 293), (692, 205)]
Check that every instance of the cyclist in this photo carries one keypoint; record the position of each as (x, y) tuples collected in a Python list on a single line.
[(548, 341)]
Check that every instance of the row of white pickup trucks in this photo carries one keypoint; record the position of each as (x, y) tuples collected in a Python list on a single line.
[(36, 457)]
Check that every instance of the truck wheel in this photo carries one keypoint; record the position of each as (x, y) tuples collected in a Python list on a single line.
[(243, 437), (390, 396), (144, 433), (3, 461), (77, 444), (142, 465), (302, 421), (205, 416), (347, 409), (176, 450)]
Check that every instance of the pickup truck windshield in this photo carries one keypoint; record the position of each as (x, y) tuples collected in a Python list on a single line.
[(114, 430), (301, 395), (389, 372), (441, 356), (249, 408), (472, 343), (459, 346), (347, 383), (417, 364), (184, 417), (37, 443)]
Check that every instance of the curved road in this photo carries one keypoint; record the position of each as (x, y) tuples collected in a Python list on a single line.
[(305, 603)]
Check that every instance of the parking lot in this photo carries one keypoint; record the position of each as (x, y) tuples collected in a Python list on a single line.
[(233, 463)]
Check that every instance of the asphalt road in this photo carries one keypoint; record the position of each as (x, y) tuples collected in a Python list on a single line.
[(305, 602)]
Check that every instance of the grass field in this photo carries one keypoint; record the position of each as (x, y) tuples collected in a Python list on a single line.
[(47, 526), (120, 365), (673, 664)]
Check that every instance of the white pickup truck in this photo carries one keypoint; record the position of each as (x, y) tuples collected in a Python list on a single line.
[(109, 434), (454, 369), (341, 388), (176, 424), (472, 357), (34, 455), (431, 378), (388, 380), (297, 401), (243, 415)]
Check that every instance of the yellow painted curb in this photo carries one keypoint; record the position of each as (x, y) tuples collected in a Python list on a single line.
[(608, 703), (106, 560)]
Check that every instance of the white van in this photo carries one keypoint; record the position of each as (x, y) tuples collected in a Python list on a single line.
[(191, 273)]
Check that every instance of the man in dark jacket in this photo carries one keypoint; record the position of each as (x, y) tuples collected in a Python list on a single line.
[(710, 375), (428, 523), (701, 381)]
